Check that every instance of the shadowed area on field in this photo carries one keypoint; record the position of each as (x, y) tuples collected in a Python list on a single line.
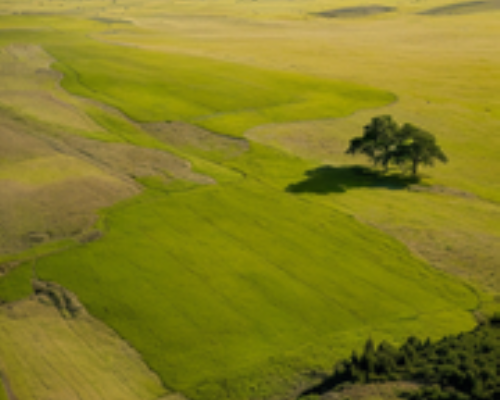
[(468, 7), (352, 12), (329, 179)]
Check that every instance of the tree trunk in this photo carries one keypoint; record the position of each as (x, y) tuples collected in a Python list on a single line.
[(414, 167)]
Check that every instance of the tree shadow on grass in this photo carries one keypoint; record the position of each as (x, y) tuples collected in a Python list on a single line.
[(328, 179)]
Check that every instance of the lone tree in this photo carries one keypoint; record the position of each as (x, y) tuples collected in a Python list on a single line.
[(377, 141), (385, 143)]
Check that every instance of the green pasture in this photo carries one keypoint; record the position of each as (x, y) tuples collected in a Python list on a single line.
[(220, 96), (219, 287), (232, 290), (152, 86)]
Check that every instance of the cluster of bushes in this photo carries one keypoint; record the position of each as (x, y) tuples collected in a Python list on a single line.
[(462, 367)]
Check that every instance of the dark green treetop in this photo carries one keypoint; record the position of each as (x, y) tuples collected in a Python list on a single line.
[(384, 142)]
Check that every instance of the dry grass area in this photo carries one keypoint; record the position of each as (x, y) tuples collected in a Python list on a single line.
[(29, 85), (197, 140), (46, 356), (129, 162), (53, 178), (53, 183), (45, 194)]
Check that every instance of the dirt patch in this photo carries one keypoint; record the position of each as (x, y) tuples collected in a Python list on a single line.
[(355, 12), (198, 140), (469, 7)]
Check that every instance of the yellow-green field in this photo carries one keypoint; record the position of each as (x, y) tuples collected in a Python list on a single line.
[(43, 352), (180, 167)]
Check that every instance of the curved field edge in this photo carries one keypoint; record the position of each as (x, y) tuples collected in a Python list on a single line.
[(71, 357), (220, 96), (285, 320), (231, 292)]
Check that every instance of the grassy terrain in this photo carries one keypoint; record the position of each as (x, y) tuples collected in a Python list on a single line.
[(47, 193), (80, 356), (230, 290), (222, 97), (182, 267), (3, 391)]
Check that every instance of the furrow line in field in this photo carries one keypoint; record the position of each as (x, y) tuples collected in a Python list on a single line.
[(283, 270), (226, 301), (5, 385), (83, 375), (425, 265), (24, 363), (297, 244), (67, 376), (98, 360)]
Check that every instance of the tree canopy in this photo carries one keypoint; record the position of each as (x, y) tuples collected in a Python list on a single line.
[(458, 367), (384, 142)]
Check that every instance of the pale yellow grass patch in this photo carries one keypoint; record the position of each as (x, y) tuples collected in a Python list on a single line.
[(45, 193), (30, 86), (129, 161), (49, 170), (46, 356)]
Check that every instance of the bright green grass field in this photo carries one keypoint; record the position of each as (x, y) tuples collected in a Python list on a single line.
[(220, 285), (229, 290), (220, 96)]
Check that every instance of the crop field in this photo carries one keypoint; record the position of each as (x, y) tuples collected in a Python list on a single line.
[(42, 350), (180, 168)]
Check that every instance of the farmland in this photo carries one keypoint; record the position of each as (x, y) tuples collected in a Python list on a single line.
[(180, 169)]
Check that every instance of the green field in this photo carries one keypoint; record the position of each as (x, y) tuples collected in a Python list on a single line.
[(181, 169), (184, 268)]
